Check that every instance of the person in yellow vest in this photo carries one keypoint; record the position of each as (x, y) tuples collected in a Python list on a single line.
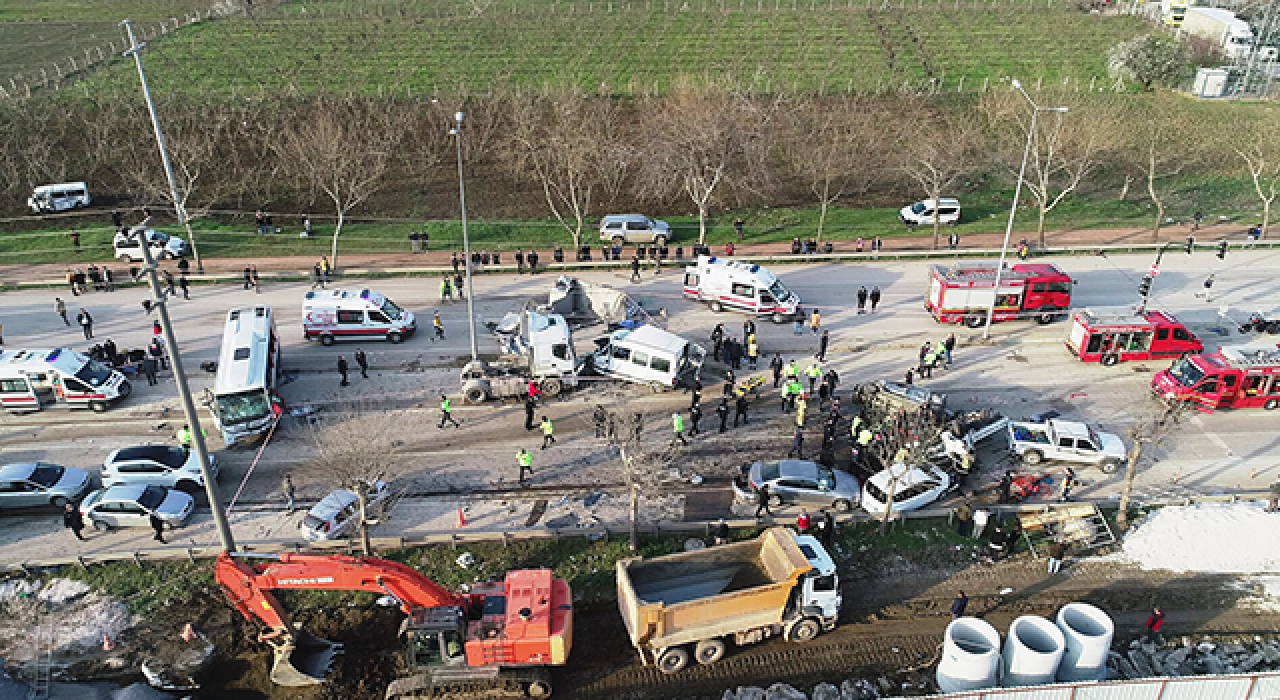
[(753, 352), (525, 460), (677, 424), (186, 437), (548, 433), (446, 290), (814, 373), (802, 406), (446, 412), (792, 370)]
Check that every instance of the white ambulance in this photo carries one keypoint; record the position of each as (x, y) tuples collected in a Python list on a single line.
[(739, 286), (337, 314), (31, 380)]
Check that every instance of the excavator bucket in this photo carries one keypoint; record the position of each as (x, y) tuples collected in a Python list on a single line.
[(306, 661)]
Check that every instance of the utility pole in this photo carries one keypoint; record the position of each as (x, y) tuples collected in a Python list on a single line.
[(466, 242), (158, 303), (179, 203)]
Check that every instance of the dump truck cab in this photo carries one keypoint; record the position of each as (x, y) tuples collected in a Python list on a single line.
[(819, 596)]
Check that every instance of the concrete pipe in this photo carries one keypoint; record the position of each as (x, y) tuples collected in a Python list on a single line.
[(970, 656), (1031, 652), (1088, 632)]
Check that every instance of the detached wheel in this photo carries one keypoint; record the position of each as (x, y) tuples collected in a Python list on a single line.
[(552, 387), (975, 320), (715, 306), (1109, 467), (326, 340), (1032, 457), (804, 631), (709, 651), (1110, 360), (673, 660)]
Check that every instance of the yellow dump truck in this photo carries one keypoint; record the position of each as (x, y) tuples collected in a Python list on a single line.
[(690, 604)]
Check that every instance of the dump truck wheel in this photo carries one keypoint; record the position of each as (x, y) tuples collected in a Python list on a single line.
[(1110, 466), (1032, 457), (673, 660), (709, 651), (803, 631)]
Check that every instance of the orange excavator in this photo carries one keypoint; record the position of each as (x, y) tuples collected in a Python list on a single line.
[(497, 637)]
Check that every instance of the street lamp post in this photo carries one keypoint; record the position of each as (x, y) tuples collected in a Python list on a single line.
[(456, 131), (1017, 191)]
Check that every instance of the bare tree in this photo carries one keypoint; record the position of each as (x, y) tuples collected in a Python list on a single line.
[(1259, 147), (1065, 148), (1149, 431), (566, 143), (343, 148), (936, 148), (1156, 148), (342, 456), (641, 465), (832, 147)]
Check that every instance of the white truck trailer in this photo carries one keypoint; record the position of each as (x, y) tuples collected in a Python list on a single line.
[(1228, 33)]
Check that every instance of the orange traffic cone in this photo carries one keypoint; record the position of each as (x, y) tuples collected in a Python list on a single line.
[(188, 633), (462, 519), (107, 644)]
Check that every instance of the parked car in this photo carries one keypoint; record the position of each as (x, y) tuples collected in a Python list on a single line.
[(162, 245), (916, 487), (131, 505), (336, 515), (799, 482), (921, 213), (163, 465), (634, 228), (38, 484)]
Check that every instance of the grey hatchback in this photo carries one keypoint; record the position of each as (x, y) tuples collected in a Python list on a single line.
[(802, 482), (39, 484)]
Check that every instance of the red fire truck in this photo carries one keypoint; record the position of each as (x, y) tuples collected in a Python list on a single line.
[(1109, 338), (1240, 376), (962, 294)]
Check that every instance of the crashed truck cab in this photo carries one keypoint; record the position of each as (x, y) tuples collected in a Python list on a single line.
[(535, 346)]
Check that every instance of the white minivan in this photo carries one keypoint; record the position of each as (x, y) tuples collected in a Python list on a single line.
[(648, 355), (921, 213), (50, 199)]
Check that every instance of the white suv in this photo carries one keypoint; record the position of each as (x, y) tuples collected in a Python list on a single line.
[(634, 228), (162, 246), (163, 465)]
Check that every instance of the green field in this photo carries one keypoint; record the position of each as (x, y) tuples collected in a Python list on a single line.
[(420, 48)]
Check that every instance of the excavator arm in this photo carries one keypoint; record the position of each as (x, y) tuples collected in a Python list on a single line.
[(249, 584)]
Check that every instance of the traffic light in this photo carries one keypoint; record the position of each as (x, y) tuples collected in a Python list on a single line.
[(1222, 250), (1191, 244), (1144, 287)]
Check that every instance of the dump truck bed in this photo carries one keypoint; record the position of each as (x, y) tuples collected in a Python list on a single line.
[(707, 593)]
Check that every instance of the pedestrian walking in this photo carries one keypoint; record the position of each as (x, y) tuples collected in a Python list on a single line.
[(253, 277), (169, 283), (525, 460), (529, 404), (953, 241), (822, 347), (184, 266), (723, 411), (156, 350), (802, 409), (959, 604), (1273, 500), (156, 330), (184, 286), (797, 444), (446, 413), (362, 361), (677, 425), (814, 373), (438, 325), (803, 522), (948, 346), (342, 369), (722, 532), (738, 225), (60, 308), (108, 279), (260, 219), (1208, 287), (457, 286), (73, 520), (325, 268), (1057, 552), (1195, 221), (446, 290), (86, 323), (695, 415), (532, 257), (762, 501), (1155, 623), (875, 298), (635, 268), (815, 321), (75, 241), (980, 518), (287, 487), (1006, 485), (548, 432), (862, 300), (248, 278), (519, 261), (753, 351), (1068, 483), (740, 411), (798, 327), (149, 370), (599, 419), (317, 280), (748, 328), (964, 517), (453, 260), (158, 526), (717, 340)]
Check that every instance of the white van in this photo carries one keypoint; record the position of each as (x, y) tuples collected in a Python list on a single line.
[(648, 355), (336, 314), (49, 199), (34, 379), (725, 284), (127, 247), (921, 213)]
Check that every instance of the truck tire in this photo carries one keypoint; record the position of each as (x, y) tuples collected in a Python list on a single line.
[(1271, 404), (1032, 457), (1110, 466), (475, 395), (804, 630), (715, 306), (552, 387), (709, 651), (673, 660), (975, 320), (1110, 360), (326, 339)]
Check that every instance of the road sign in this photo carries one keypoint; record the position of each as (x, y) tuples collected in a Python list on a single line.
[(1155, 270)]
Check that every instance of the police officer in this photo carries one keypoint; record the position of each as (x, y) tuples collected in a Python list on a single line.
[(776, 365), (186, 437), (525, 460), (695, 415), (548, 433), (814, 373), (529, 404), (362, 360), (342, 369), (740, 411), (677, 424), (446, 412), (797, 444), (723, 411)]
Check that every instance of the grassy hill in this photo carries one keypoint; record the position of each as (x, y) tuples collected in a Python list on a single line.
[(426, 47)]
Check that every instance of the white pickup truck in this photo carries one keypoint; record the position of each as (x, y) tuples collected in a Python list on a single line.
[(1066, 441)]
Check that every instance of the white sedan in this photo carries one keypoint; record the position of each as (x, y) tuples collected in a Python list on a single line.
[(915, 488), (131, 505)]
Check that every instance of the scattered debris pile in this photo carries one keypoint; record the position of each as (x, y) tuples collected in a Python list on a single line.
[(852, 689), (1189, 658)]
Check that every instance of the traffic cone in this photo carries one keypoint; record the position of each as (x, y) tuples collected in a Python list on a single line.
[(462, 519), (107, 644), (188, 633)]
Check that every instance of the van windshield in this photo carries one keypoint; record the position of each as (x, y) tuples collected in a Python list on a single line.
[(917, 208), (158, 238), (94, 373), (1186, 373), (243, 407), (392, 311), (779, 292)]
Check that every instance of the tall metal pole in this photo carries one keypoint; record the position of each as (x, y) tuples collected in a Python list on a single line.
[(184, 392), (466, 242), (1017, 192), (179, 203)]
